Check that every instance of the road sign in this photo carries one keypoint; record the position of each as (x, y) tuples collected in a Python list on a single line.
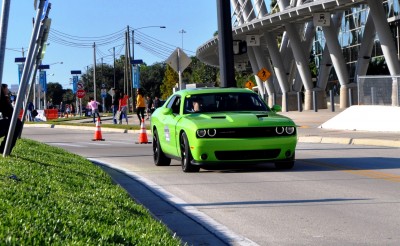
[(249, 84), (80, 93), (103, 93), (263, 74), (322, 19), (80, 86), (183, 62), (136, 62)]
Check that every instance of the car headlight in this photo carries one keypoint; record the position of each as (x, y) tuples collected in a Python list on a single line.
[(279, 130), (289, 130), (201, 132), (211, 132)]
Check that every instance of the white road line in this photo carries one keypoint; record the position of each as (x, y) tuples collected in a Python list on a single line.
[(67, 144)]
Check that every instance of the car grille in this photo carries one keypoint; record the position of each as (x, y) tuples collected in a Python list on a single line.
[(247, 154), (249, 132)]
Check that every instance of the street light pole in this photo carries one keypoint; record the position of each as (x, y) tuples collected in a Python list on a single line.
[(182, 32)]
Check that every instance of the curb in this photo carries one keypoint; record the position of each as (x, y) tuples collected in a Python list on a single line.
[(352, 141), (85, 128), (301, 139)]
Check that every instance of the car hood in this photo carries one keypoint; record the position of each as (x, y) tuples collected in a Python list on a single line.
[(239, 119)]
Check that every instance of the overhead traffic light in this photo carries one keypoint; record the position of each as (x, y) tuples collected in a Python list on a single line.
[(239, 47)]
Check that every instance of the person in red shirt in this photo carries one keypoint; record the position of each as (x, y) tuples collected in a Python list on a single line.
[(123, 107)]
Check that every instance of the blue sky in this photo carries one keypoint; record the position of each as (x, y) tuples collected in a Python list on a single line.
[(99, 18)]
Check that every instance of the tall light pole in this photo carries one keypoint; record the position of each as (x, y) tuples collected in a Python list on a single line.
[(182, 32)]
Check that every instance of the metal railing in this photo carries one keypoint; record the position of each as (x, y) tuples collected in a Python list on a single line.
[(378, 90)]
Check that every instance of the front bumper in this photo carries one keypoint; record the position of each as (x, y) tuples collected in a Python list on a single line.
[(250, 150)]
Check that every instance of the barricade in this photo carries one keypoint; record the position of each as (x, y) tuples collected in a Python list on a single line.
[(21, 113), (51, 114)]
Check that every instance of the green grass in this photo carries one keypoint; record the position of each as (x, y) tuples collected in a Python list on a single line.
[(51, 197)]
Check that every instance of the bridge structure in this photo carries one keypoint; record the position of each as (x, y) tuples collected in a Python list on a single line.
[(282, 40)]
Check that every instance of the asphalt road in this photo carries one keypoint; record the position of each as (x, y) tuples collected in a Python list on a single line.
[(335, 195)]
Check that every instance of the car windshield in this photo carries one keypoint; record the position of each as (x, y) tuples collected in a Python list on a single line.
[(224, 102)]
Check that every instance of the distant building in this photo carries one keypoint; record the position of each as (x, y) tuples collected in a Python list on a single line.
[(14, 88)]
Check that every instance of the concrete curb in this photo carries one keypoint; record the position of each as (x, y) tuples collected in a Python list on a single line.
[(85, 128), (352, 141), (301, 139)]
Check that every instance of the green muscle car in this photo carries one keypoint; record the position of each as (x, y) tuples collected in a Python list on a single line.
[(210, 126)]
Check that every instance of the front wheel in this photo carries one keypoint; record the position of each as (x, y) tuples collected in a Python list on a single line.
[(159, 157), (284, 165), (287, 164), (186, 155)]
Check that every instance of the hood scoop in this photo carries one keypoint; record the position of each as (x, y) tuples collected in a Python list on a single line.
[(218, 117), (262, 115)]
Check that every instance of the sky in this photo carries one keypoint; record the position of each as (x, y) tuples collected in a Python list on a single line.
[(77, 24)]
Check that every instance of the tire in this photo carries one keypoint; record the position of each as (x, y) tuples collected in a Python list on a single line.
[(158, 155), (186, 155), (285, 165)]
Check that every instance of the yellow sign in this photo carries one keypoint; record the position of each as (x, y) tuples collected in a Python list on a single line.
[(263, 74), (249, 84)]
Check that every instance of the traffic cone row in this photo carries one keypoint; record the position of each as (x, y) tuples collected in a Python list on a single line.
[(143, 135), (97, 133)]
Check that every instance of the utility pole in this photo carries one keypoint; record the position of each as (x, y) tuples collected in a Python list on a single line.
[(130, 81), (94, 71), (3, 34), (114, 64)]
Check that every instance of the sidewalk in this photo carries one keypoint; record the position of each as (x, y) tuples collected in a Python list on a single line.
[(309, 131), (308, 122)]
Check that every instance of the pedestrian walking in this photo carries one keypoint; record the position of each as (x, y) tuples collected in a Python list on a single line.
[(123, 107), (94, 106), (29, 111), (140, 105), (149, 104), (6, 110), (156, 103), (115, 104)]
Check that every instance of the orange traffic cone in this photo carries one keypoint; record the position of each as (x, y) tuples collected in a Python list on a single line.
[(97, 133), (143, 134)]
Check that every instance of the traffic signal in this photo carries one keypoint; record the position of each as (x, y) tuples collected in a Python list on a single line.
[(239, 47)]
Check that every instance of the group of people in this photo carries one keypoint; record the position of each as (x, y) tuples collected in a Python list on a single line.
[(148, 105), (120, 106)]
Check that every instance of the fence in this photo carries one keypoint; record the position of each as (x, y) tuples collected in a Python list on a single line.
[(378, 90)]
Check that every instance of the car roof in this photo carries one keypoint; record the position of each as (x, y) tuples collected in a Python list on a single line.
[(197, 91)]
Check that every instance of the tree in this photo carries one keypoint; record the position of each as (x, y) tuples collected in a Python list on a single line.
[(169, 82), (199, 72), (54, 93), (152, 78)]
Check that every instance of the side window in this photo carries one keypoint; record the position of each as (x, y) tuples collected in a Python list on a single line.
[(174, 104)]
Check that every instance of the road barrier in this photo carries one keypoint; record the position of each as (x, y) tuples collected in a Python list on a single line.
[(51, 114)]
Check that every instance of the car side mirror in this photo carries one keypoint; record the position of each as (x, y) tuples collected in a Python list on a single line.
[(276, 108), (166, 111)]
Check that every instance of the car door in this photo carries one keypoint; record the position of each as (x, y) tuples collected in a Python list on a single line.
[(171, 138)]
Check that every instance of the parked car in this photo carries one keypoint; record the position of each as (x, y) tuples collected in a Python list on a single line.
[(209, 126)]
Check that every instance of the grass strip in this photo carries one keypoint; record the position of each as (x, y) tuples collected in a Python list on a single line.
[(52, 197)]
